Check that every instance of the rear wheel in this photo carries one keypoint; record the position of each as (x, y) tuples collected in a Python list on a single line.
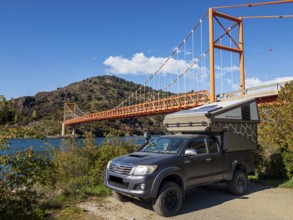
[(120, 197), (169, 199), (238, 185)]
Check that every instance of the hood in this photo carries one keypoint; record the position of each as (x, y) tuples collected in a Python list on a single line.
[(142, 158)]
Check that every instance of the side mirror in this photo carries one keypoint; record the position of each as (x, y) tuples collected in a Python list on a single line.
[(190, 152)]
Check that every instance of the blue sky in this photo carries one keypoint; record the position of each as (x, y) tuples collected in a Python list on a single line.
[(51, 43)]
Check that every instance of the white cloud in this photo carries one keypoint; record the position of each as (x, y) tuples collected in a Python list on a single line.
[(234, 86), (139, 64), (227, 69), (255, 81)]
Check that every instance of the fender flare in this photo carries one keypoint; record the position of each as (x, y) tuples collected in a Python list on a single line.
[(162, 175), (234, 166)]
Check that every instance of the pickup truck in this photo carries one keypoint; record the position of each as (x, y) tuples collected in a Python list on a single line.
[(162, 170)]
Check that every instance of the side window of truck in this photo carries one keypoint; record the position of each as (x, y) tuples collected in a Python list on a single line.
[(199, 145), (213, 146)]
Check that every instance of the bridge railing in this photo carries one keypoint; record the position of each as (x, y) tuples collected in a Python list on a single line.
[(269, 88)]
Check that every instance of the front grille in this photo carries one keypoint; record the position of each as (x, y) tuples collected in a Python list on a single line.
[(120, 169)]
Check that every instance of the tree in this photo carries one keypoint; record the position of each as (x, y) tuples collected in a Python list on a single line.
[(19, 173), (276, 135), (6, 110)]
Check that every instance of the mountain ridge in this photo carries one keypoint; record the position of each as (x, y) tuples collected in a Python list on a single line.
[(93, 94)]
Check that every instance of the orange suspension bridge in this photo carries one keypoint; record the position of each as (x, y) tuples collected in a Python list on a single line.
[(214, 32)]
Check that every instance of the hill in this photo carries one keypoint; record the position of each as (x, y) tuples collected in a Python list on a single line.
[(44, 111)]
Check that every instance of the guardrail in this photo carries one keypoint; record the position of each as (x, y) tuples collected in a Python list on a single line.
[(254, 90)]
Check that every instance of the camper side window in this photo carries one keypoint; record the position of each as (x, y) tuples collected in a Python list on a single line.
[(199, 145), (213, 146)]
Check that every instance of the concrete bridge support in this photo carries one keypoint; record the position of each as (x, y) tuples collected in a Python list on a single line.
[(63, 130), (73, 131)]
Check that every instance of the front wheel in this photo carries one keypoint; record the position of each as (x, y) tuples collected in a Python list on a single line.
[(169, 199), (238, 184)]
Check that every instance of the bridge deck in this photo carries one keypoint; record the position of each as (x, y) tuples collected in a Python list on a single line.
[(162, 106)]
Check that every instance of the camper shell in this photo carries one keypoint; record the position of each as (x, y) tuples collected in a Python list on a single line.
[(233, 122)]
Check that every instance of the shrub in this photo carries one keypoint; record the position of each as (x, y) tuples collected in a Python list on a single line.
[(73, 164), (19, 173), (112, 147), (275, 157), (81, 166)]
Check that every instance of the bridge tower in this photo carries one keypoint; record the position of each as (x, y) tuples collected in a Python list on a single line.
[(71, 111), (237, 48)]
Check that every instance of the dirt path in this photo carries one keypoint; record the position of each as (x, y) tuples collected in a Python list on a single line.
[(210, 202)]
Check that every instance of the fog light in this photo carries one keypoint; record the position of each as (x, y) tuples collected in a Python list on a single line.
[(141, 187)]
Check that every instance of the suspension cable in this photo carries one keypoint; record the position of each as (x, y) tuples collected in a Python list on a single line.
[(174, 52), (186, 70), (192, 86), (268, 16), (184, 55), (231, 62), (255, 4), (200, 53), (178, 86), (204, 72), (221, 60)]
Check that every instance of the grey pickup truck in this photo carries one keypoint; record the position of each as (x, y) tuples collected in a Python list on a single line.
[(210, 144)]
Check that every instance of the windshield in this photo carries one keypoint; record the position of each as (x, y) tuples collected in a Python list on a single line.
[(164, 145)]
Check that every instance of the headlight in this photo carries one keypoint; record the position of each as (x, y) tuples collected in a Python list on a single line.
[(143, 170), (108, 165)]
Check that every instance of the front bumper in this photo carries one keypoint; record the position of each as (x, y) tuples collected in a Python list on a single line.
[(133, 186)]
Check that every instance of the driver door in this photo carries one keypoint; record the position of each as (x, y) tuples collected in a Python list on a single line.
[(198, 168)]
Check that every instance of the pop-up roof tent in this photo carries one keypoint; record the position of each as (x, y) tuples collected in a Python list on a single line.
[(235, 120)]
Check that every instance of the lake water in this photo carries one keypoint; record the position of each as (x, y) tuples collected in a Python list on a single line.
[(40, 146)]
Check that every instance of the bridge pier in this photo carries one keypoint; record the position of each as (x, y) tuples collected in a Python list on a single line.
[(73, 131), (63, 130)]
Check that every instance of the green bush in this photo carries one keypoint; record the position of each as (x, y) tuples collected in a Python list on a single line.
[(19, 174), (81, 166), (72, 165), (275, 135), (99, 190), (288, 161), (110, 148), (7, 110)]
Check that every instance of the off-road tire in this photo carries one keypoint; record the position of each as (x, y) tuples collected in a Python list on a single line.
[(120, 197), (169, 199), (238, 184)]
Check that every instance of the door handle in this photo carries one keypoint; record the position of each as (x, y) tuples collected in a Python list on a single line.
[(208, 159)]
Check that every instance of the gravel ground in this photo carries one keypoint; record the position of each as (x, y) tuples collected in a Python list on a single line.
[(209, 202)]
